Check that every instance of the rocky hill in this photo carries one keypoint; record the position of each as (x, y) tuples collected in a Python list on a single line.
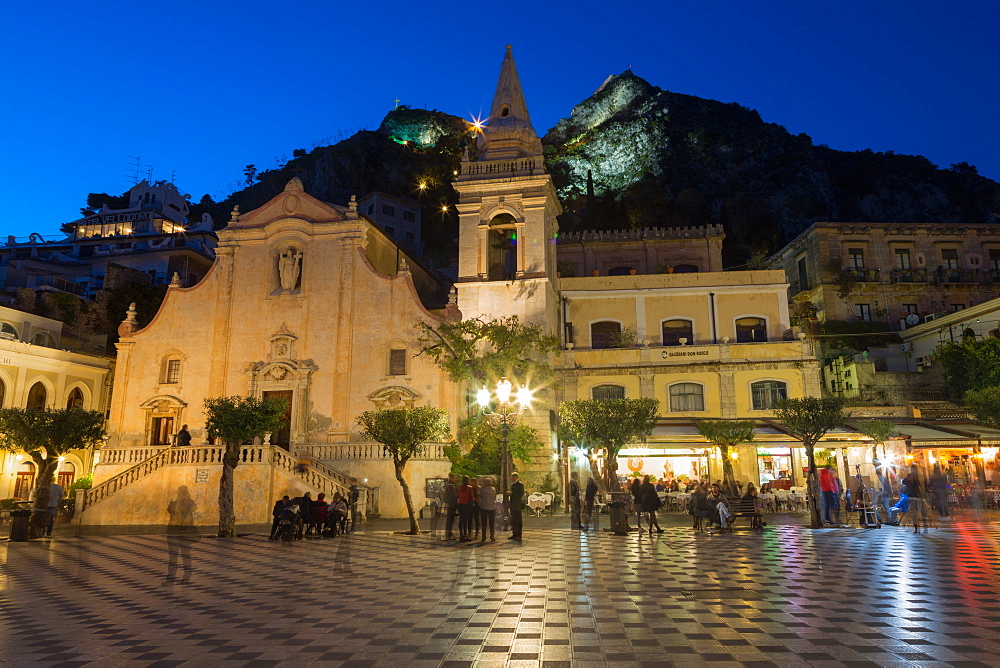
[(634, 155)]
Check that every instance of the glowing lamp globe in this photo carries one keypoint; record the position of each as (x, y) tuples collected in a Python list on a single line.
[(503, 390), (524, 396)]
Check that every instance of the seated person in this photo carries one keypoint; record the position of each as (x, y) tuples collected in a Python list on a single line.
[(766, 488), (718, 506), (338, 515), (751, 492)]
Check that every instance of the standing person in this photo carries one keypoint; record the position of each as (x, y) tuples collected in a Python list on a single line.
[(574, 500), (884, 490), (488, 507), (355, 496), (650, 504), (181, 532), (917, 500), (182, 438), (940, 488), (279, 507), (451, 506), (589, 496), (465, 509), (320, 514), (56, 494), (828, 491), (635, 489), (516, 503), (476, 515)]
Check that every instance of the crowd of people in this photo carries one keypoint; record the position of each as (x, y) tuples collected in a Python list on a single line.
[(305, 517)]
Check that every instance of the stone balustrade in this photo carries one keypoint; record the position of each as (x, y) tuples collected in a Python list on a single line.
[(354, 451)]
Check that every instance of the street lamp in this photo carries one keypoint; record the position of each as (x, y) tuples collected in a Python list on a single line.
[(507, 415)]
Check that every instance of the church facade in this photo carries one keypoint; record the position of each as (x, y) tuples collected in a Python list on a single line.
[(312, 303)]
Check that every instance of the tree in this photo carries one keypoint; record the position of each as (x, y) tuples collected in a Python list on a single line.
[(879, 431), (613, 423), (485, 351), (809, 419), (970, 365), (726, 434), (235, 420), (484, 455), (249, 174), (403, 432), (45, 435)]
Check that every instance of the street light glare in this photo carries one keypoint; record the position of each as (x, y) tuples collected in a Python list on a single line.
[(483, 397), (524, 396)]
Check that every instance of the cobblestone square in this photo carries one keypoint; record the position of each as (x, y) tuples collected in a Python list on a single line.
[(788, 597)]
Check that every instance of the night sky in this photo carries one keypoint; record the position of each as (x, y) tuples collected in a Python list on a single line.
[(201, 89)]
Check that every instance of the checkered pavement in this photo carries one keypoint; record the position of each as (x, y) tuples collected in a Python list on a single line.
[(855, 597)]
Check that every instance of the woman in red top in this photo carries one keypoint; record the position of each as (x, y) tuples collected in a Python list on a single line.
[(466, 501)]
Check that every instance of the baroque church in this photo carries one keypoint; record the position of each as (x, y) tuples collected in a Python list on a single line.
[(310, 302)]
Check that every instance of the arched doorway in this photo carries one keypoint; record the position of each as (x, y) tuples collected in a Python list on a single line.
[(75, 399), (24, 481), (37, 396)]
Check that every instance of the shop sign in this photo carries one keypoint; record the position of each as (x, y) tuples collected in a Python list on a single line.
[(115, 218), (693, 352), (945, 444), (763, 452)]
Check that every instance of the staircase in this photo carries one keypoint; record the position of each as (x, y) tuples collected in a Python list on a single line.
[(316, 475)]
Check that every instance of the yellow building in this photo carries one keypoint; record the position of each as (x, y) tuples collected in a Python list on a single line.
[(36, 372)]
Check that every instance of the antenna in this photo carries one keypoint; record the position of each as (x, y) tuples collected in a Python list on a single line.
[(134, 170), (173, 174)]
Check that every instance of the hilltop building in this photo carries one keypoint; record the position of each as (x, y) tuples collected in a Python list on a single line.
[(36, 372), (150, 239)]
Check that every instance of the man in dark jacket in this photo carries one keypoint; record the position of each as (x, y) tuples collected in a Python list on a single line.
[(715, 497), (279, 507), (516, 503)]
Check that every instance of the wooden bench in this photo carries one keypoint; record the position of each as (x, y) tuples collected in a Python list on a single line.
[(745, 508)]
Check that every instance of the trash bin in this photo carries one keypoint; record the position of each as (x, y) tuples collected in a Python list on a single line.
[(19, 525), (619, 514)]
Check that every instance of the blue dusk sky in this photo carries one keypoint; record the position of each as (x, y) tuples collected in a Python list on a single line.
[(200, 89)]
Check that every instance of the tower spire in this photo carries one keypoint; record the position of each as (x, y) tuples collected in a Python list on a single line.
[(509, 133)]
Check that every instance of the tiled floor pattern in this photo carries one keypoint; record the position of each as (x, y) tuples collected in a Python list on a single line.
[(831, 597)]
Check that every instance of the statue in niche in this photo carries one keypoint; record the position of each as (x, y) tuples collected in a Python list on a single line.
[(289, 269)]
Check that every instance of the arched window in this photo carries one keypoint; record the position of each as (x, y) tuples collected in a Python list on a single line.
[(24, 481), (37, 396), (75, 399), (7, 331), (502, 258), (687, 397), (685, 269), (620, 271), (751, 330), (42, 339), (604, 392), (677, 329), (969, 334), (604, 334), (766, 392)]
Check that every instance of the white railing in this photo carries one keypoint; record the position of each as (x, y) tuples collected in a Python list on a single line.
[(434, 451), (128, 455)]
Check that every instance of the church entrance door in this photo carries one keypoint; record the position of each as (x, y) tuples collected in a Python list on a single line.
[(282, 435)]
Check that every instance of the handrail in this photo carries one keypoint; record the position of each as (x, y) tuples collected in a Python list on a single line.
[(433, 451)]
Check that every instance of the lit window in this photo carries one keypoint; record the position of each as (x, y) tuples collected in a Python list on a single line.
[(606, 392), (864, 312), (766, 393), (397, 362), (687, 397)]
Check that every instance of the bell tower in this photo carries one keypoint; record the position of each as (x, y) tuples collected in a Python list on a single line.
[(507, 216)]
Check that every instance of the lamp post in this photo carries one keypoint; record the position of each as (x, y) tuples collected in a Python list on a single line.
[(504, 418)]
